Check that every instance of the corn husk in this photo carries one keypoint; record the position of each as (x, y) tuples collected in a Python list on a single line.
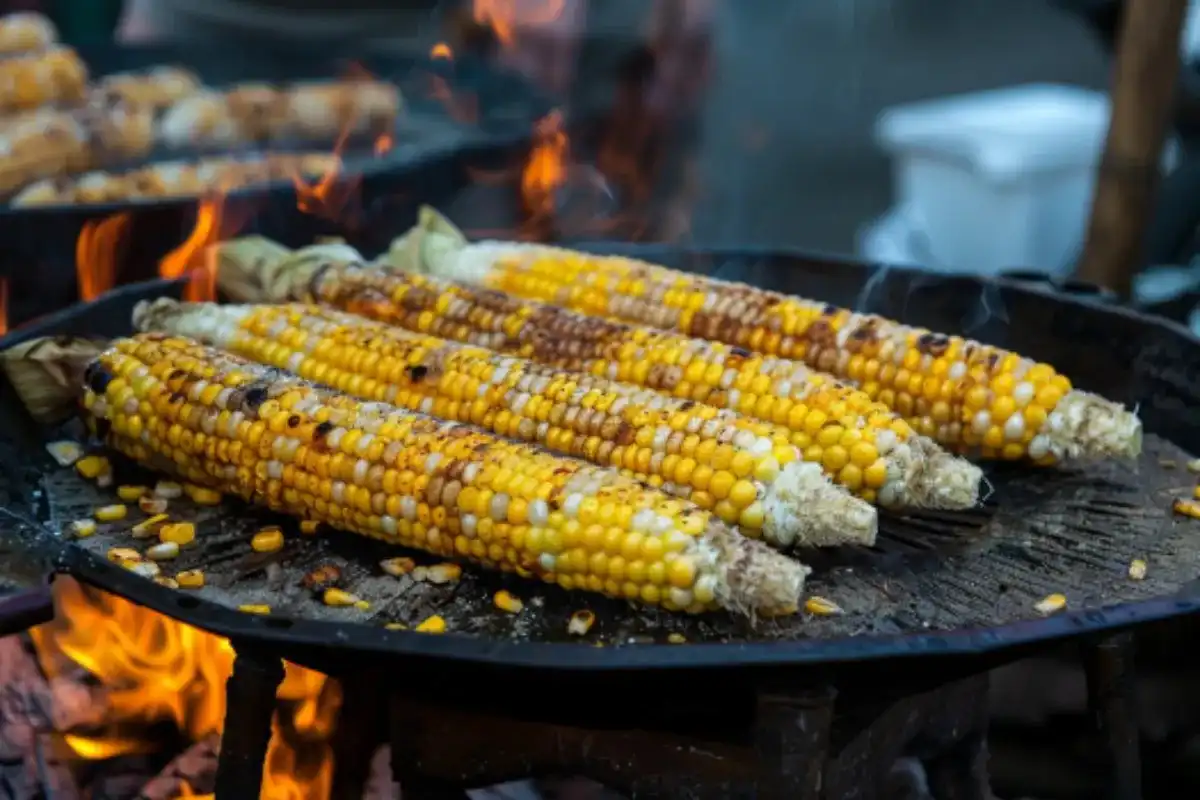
[(241, 263), (431, 240), (47, 374)]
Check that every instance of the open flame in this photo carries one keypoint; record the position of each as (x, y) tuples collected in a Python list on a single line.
[(195, 258), (97, 253), (546, 170), (3, 306), (505, 17), (155, 669)]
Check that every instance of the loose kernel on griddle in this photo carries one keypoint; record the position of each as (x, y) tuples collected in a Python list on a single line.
[(309, 527), (201, 495), (1051, 604), (822, 607), (676, 638), (131, 493), (438, 573), (92, 467), (1194, 465), (168, 490), (190, 579), (506, 601), (1137, 569), (65, 453), (179, 533), (255, 608), (110, 513), (395, 626), (434, 624), (1196, 492), (152, 505), (268, 540), (363, 605), (163, 551), (83, 528), (581, 622), (1186, 508), (398, 566), (148, 527), (120, 554), (170, 583), (338, 598), (145, 568)]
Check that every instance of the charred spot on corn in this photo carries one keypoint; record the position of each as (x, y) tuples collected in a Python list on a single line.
[(581, 622)]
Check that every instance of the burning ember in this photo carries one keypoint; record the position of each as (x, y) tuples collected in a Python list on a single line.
[(155, 670)]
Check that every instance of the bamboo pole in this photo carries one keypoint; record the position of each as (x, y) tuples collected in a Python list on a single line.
[(1143, 95)]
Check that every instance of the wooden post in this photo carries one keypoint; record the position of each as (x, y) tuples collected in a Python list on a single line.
[(1143, 96)]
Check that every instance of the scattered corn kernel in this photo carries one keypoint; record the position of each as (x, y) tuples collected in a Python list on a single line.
[(821, 607), (676, 638), (65, 452), (168, 490), (163, 551), (178, 533), (268, 540), (1196, 492), (143, 567), (395, 626), (398, 566), (338, 598), (92, 467), (119, 554), (1186, 508), (255, 608), (201, 495), (1194, 465), (148, 527), (152, 505), (1051, 604), (170, 583), (1137, 569), (434, 624), (438, 573), (83, 528), (309, 527), (581, 622), (104, 480), (190, 579), (110, 513), (506, 601), (323, 577), (131, 493), (363, 605)]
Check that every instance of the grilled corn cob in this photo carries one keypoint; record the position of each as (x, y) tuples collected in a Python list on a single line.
[(859, 442), (964, 394), (747, 472), (251, 430)]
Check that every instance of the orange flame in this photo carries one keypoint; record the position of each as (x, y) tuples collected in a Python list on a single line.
[(97, 251), (506, 16), (156, 669), (463, 108), (441, 52), (3, 306), (546, 169), (195, 258), (384, 145)]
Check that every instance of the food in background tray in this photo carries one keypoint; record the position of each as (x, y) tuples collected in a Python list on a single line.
[(40, 144), (250, 113), (25, 32), (174, 179), (156, 89), (54, 76), (965, 394)]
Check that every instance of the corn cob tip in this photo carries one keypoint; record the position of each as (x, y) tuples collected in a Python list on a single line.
[(804, 509), (1086, 426), (254, 273), (431, 242), (926, 476), (46, 373), (753, 579), (206, 322)]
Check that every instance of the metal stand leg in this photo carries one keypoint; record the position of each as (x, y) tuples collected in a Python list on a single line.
[(359, 733), (962, 772), (249, 705), (1113, 703), (792, 743)]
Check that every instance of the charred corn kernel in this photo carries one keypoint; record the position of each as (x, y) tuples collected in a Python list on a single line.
[(152, 505), (337, 597), (201, 495), (414, 481), (309, 526), (92, 467), (255, 608), (65, 453), (959, 391), (168, 490), (148, 527), (163, 551), (915, 471), (395, 626), (506, 601), (581, 622), (190, 579), (131, 494), (170, 583), (676, 638), (1051, 604), (773, 494), (83, 528), (434, 624), (1186, 508), (1137, 569), (120, 554), (179, 533), (110, 513), (268, 540), (398, 566), (438, 573), (821, 606)]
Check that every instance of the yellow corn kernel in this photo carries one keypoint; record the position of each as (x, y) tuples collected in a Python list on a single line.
[(506, 601), (92, 467), (255, 608), (120, 554), (170, 583), (1186, 508), (398, 566), (268, 540), (337, 597), (168, 490), (1196, 492), (110, 513), (1051, 604), (309, 527), (65, 453), (362, 605), (821, 606), (438, 573), (163, 551), (1137, 569), (190, 579), (434, 624), (201, 495), (152, 505), (83, 528), (676, 638), (581, 622), (131, 494), (395, 626), (179, 533), (147, 527)]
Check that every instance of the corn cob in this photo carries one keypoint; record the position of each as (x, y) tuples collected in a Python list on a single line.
[(861, 443), (746, 472), (251, 430), (967, 395)]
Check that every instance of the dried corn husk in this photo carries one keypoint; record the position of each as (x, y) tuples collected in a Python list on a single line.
[(433, 238), (46, 373)]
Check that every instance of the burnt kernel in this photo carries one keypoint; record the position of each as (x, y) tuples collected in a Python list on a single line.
[(417, 372), (933, 343), (687, 405), (740, 351), (293, 421), (97, 378), (830, 310), (322, 430), (255, 396), (176, 397)]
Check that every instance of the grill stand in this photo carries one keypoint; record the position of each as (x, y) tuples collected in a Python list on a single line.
[(1112, 701), (250, 704)]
